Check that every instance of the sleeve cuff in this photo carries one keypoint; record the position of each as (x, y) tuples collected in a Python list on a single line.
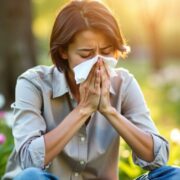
[(161, 154), (37, 152)]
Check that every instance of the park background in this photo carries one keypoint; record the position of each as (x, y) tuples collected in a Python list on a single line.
[(152, 30)]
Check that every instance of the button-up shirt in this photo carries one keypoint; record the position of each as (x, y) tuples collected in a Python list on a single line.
[(43, 100)]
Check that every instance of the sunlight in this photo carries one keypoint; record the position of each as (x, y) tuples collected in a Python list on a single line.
[(41, 27)]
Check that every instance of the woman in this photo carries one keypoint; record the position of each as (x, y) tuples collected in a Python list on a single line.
[(64, 130)]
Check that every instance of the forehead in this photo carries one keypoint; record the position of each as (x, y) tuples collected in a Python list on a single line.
[(90, 38)]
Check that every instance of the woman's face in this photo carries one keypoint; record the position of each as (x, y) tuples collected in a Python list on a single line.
[(86, 45)]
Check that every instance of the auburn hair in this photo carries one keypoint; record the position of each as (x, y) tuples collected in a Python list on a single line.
[(79, 15)]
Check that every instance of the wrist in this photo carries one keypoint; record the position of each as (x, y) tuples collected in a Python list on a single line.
[(84, 111), (108, 111)]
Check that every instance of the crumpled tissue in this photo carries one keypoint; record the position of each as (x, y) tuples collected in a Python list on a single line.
[(82, 70)]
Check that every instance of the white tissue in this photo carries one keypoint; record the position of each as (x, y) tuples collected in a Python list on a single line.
[(82, 70)]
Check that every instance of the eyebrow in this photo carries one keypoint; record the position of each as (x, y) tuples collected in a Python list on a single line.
[(109, 46), (92, 49)]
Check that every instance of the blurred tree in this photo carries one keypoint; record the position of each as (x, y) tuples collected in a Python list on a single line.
[(152, 15), (16, 44)]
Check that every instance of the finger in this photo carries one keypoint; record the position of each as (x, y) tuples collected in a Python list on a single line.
[(105, 79), (104, 76), (97, 80), (106, 69), (94, 76)]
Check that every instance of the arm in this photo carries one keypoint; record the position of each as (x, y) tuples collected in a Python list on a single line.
[(135, 124), (56, 139), (140, 141), (34, 146)]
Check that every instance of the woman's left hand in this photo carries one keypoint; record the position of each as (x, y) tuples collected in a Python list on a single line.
[(104, 104)]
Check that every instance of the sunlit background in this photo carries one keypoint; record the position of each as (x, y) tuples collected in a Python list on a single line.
[(152, 30)]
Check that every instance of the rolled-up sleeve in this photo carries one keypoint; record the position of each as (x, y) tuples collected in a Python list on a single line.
[(29, 125), (135, 109), (161, 154)]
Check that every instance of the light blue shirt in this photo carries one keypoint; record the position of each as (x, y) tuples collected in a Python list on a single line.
[(43, 100)]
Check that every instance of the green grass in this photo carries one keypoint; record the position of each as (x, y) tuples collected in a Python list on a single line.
[(5, 148)]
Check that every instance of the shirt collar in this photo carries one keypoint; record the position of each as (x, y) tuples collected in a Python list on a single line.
[(60, 85)]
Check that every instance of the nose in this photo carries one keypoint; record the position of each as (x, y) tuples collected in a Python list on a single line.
[(97, 51)]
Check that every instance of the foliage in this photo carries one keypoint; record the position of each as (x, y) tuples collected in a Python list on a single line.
[(7, 146)]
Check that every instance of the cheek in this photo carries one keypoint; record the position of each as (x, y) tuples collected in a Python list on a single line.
[(74, 61)]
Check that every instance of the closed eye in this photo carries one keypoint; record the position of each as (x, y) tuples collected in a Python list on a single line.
[(86, 55), (107, 51)]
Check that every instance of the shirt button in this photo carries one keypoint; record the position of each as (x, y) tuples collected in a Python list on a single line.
[(82, 162), (76, 174), (82, 139)]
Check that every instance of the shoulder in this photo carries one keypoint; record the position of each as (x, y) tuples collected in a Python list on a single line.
[(124, 73), (39, 76), (125, 76), (37, 72), (124, 82)]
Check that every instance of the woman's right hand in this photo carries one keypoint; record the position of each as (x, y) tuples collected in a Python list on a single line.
[(56, 139), (89, 90)]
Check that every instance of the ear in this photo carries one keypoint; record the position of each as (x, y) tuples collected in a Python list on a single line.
[(63, 53)]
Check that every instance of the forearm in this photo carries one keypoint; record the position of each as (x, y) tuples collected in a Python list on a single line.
[(56, 139), (88, 97), (141, 142)]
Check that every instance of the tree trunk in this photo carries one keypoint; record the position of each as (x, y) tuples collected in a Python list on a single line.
[(152, 16), (156, 46), (16, 44)]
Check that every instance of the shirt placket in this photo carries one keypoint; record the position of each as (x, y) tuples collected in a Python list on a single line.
[(82, 153), (82, 148)]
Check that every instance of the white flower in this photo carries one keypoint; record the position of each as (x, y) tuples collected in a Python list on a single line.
[(167, 75), (8, 116)]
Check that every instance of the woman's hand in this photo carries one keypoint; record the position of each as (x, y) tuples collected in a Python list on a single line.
[(90, 90), (104, 104)]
